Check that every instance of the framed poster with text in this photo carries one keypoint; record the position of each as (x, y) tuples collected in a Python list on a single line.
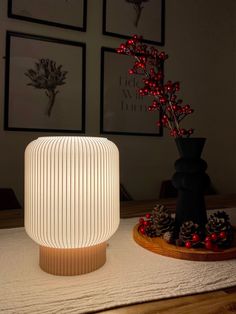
[(123, 110)]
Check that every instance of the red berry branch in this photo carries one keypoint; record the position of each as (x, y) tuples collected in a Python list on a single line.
[(149, 62)]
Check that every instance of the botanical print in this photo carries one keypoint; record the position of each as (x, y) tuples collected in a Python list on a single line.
[(144, 17), (47, 75), (137, 4), (45, 84)]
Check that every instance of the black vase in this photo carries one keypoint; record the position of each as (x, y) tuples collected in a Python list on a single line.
[(191, 182)]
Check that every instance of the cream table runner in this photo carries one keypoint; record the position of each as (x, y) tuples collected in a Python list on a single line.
[(130, 275)]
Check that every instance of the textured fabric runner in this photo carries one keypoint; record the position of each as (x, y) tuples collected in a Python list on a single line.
[(130, 275)]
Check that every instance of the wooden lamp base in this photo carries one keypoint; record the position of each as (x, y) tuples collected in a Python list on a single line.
[(70, 262)]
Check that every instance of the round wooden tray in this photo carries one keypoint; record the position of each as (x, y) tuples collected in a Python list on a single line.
[(159, 246)]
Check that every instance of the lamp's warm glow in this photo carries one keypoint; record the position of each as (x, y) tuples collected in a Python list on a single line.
[(71, 191)]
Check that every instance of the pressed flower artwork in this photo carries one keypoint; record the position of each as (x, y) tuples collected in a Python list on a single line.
[(47, 76), (124, 18), (45, 84), (138, 7)]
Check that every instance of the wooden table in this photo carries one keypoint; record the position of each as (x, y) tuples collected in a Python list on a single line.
[(219, 302)]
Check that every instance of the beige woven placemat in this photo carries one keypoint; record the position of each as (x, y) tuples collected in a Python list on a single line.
[(130, 275)]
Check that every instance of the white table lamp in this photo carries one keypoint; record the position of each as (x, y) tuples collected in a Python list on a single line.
[(71, 201)]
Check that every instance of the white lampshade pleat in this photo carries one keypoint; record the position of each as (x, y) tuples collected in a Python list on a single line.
[(71, 191)]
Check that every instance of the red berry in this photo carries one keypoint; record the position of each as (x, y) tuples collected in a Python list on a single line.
[(222, 235), (214, 236), (208, 238), (188, 244), (142, 230), (162, 100), (141, 221), (148, 216), (182, 131), (208, 245), (195, 237), (146, 223), (177, 87)]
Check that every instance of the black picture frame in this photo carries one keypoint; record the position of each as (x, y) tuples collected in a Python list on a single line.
[(122, 110), (24, 15), (52, 97), (118, 22)]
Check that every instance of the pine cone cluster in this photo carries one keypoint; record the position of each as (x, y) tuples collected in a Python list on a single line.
[(161, 220), (188, 231), (219, 229), (217, 234)]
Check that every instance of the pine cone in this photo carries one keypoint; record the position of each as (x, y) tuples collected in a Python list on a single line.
[(187, 230), (161, 220), (169, 237), (151, 232), (219, 224)]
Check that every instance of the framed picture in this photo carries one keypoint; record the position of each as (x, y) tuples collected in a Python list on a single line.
[(44, 84), (124, 18), (71, 14), (123, 110)]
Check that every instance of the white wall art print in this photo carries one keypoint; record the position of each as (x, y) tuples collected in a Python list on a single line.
[(45, 84), (124, 18)]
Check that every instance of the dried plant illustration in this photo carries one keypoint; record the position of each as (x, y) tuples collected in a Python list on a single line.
[(137, 4), (47, 75)]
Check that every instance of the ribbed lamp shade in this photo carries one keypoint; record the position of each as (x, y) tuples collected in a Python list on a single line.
[(71, 201)]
